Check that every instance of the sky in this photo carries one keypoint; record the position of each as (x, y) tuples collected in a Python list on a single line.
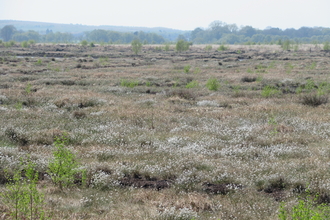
[(176, 14)]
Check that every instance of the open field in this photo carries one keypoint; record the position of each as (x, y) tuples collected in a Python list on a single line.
[(167, 135)]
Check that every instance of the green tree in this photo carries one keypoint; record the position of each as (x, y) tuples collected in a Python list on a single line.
[(7, 32), (326, 46), (22, 197), (182, 45), (63, 167), (136, 46), (84, 43)]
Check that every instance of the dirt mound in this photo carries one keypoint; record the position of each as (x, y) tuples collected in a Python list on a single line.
[(140, 182), (223, 189)]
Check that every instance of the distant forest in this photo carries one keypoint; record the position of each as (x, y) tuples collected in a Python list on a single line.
[(217, 33), (220, 32)]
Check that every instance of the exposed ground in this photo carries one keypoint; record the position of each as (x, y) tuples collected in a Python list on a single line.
[(155, 149)]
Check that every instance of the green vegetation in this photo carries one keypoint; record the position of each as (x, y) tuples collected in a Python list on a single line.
[(192, 84), (64, 166), (212, 84), (208, 48), (306, 209), (182, 45), (326, 46), (186, 69), (28, 88), (39, 62), (129, 83), (22, 197), (136, 46), (269, 91), (222, 48), (286, 45), (84, 43), (24, 44), (167, 47), (197, 70)]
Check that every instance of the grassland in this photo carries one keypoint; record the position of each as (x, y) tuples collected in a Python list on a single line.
[(164, 135)]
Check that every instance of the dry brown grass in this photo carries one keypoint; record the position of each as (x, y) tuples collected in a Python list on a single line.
[(158, 130)]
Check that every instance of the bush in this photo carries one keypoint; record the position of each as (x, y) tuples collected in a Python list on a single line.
[(182, 45), (305, 210), (213, 84), (130, 84), (249, 79), (84, 43), (16, 137), (39, 62), (186, 68), (136, 46), (63, 167), (208, 48), (25, 44), (314, 99), (22, 196), (12, 43), (222, 48), (167, 47), (286, 45), (31, 42), (269, 91), (192, 84), (326, 46)]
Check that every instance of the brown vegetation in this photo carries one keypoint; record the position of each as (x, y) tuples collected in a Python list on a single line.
[(155, 148)]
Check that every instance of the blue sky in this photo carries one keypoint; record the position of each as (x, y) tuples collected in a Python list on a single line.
[(177, 14)]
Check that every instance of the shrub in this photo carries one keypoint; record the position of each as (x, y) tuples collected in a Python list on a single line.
[(222, 48), (12, 43), (249, 79), (192, 84), (326, 46), (39, 62), (182, 45), (167, 47), (127, 83), (136, 46), (213, 84), (208, 48), (197, 70), (314, 99), (25, 44), (269, 91), (286, 45), (186, 68), (22, 196), (16, 137), (305, 210), (7, 44), (63, 167), (31, 42), (84, 43)]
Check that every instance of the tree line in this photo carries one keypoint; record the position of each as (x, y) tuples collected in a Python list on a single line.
[(217, 32), (9, 32), (222, 33)]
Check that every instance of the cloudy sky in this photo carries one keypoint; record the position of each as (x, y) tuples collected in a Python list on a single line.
[(177, 14)]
